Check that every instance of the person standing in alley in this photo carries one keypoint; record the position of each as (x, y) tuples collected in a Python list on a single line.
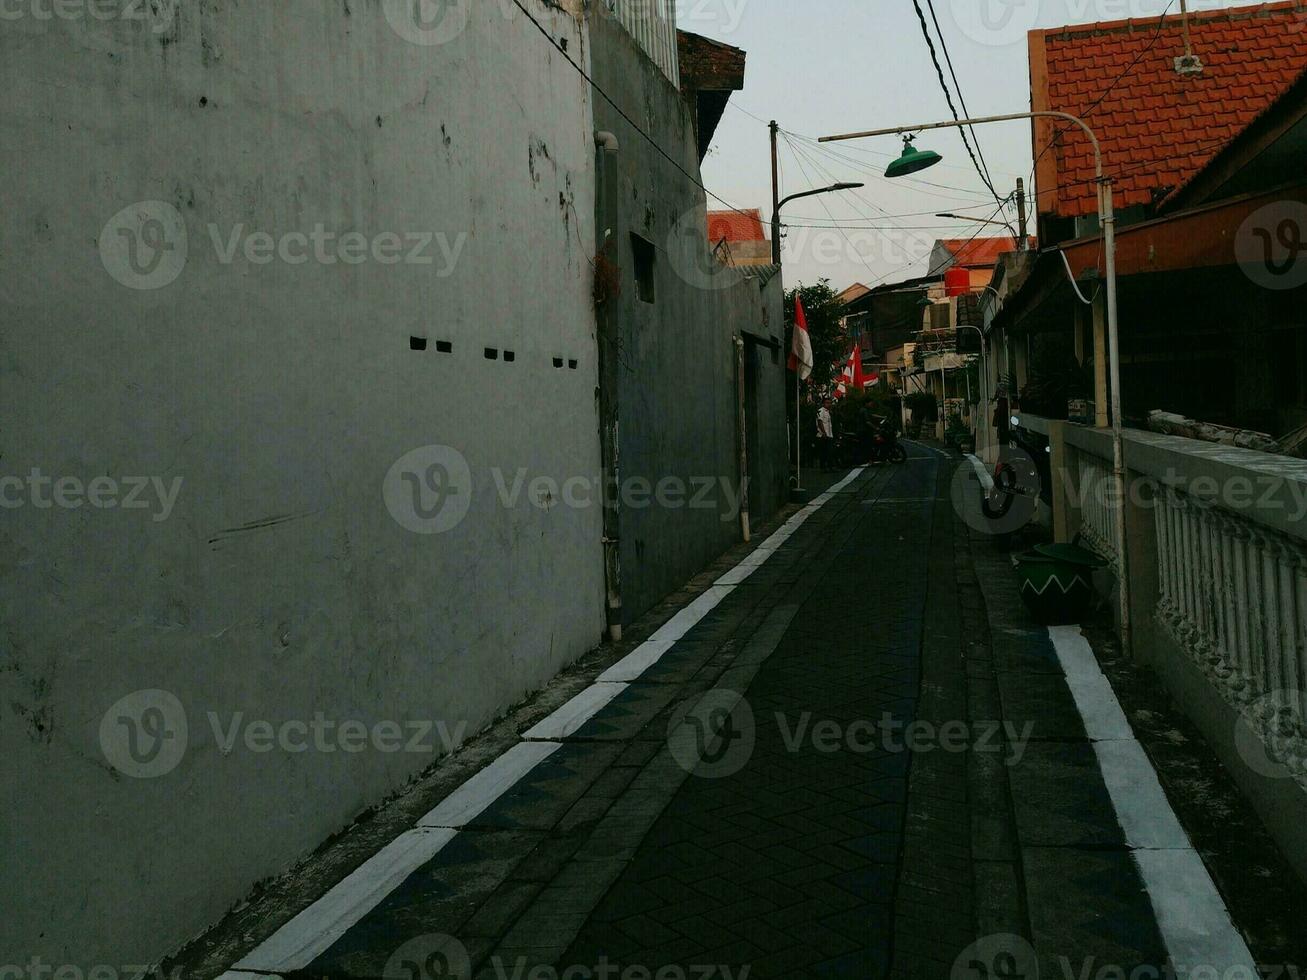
[(825, 436)]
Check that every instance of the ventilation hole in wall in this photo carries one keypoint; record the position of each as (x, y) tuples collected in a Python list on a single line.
[(204, 100), (492, 354), (558, 362), (573, 364), (417, 343), (510, 356), (444, 347)]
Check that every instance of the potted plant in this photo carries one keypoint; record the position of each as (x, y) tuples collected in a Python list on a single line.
[(1057, 582)]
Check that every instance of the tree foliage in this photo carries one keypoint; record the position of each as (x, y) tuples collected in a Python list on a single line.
[(824, 310)]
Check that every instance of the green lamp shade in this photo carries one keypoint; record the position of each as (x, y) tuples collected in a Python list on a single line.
[(912, 160)]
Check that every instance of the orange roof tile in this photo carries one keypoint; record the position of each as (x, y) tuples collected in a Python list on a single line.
[(1158, 128), (977, 253), (736, 226)]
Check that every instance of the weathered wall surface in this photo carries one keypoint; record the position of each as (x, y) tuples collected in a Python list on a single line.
[(273, 399), (678, 378)]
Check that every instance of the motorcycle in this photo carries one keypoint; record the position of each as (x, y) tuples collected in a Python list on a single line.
[(886, 448), (877, 442), (1016, 477)]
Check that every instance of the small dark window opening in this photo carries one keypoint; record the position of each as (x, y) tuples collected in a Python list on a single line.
[(558, 362), (492, 354), (510, 356), (444, 346), (417, 343), (573, 364), (645, 260)]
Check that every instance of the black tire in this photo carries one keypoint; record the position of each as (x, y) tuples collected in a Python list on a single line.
[(997, 503), (996, 507)]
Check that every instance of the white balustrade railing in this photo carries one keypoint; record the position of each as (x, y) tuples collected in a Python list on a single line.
[(1099, 512), (653, 25), (1230, 569), (1234, 596)]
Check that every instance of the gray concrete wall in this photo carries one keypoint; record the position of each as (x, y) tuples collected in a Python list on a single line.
[(1261, 499), (278, 583), (677, 378)]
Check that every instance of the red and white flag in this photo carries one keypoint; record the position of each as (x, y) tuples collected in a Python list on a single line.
[(801, 348), (852, 377)]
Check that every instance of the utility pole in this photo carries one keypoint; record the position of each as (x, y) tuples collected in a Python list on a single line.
[(1024, 240), (775, 196)]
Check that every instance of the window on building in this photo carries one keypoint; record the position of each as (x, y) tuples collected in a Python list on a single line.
[(645, 262)]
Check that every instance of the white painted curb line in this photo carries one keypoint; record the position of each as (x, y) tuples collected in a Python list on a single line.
[(304, 938), (1191, 916), (314, 930)]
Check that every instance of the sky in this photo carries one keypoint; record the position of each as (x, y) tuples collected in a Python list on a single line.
[(823, 67)]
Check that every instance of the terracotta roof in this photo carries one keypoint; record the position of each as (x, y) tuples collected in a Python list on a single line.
[(976, 253), (855, 291), (1158, 127), (736, 226)]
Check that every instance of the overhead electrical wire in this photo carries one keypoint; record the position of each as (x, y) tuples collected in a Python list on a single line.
[(948, 96), (622, 112), (962, 99)]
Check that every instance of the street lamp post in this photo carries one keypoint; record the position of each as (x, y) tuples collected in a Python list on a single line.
[(776, 215), (984, 221), (1107, 217)]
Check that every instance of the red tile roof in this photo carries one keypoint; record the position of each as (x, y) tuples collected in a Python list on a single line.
[(1158, 127), (735, 226), (976, 253)]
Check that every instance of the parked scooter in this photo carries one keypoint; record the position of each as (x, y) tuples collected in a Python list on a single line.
[(877, 441), (885, 446)]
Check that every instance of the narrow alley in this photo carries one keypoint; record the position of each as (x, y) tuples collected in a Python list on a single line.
[(851, 754)]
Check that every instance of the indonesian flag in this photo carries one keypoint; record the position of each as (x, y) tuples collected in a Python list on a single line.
[(852, 376), (801, 349), (855, 362)]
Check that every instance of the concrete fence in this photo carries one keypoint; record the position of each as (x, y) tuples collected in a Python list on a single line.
[(653, 25), (1217, 560)]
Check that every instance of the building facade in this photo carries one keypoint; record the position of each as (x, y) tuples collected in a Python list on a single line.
[(307, 400)]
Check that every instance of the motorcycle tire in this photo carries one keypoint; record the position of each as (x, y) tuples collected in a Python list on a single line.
[(998, 504)]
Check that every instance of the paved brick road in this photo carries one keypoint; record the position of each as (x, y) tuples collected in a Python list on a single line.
[(790, 850)]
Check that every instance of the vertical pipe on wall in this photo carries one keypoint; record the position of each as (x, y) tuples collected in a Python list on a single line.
[(742, 423)]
